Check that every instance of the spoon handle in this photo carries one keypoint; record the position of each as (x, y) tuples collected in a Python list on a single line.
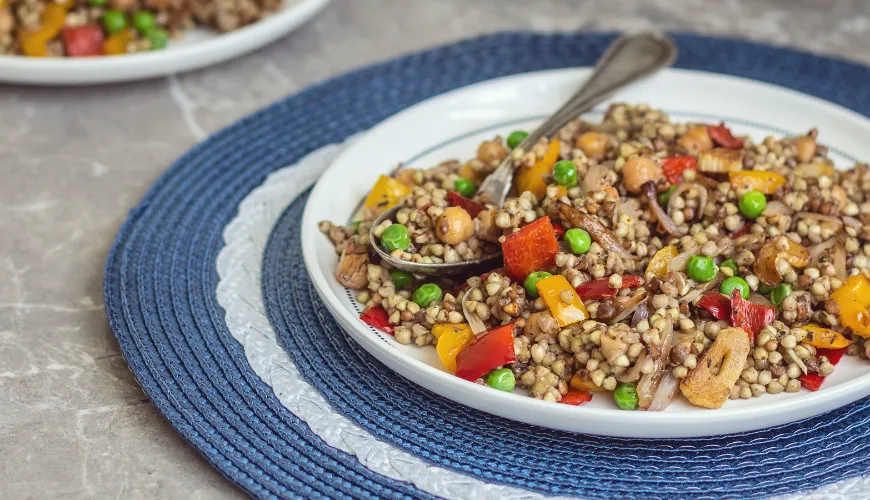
[(628, 59)]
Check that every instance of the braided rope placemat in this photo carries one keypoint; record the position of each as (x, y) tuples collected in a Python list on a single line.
[(160, 296)]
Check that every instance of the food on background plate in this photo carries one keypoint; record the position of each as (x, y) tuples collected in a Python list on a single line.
[(84, 28), (642, 260)]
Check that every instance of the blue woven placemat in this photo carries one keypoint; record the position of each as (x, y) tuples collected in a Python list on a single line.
[(160, 296)]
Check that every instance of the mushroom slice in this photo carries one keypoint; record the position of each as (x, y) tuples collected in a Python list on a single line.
[(351, 271), (709, 384), (721, 160)]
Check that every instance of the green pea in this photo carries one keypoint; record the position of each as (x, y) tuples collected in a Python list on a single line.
[(701, 268), (565, 173), (114, 21), (779, 293), (730, 264), (764, 289), (401, 278), (665, 197), (578, 241), (501, 379), (427, 293), (395, 238), (531, 283), (752, 204), (626, 396), (355, 225), (465, 187), (158, 38), (733, 282), (516, 137), (143, 21), (97, 3)]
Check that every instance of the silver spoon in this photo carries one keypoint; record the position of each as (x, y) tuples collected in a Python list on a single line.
[(628, 59)]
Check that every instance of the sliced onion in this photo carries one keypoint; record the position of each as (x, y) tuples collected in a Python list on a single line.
[(679, 262), (593, 177), (685, 187), (667, 390), (775, 208), (640, 314), (816, 251), (852, 222), (474, 321), (839, 260), (702, 289), (822, 218), (648, 383), (628, 307), (596, 229), (668, 224), (634, 373)]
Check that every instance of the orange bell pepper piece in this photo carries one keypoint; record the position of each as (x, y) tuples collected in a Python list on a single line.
[(386, 193), (532, 248), (824, 337), (854, 299), (451, 340), (117, 43), (581, 384), (532, 178), (562, 300), (756, 180), (766, 260), (658, 265), (33, 41)]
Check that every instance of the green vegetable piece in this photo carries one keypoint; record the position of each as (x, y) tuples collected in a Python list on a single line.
[(143, 21), (355, 225), (764, 289), (114, 21), (730, 264), (516, 137), (97, 3), (733, 282), (565, 173), (779, 293), (158, 38), (578, 241), (752, 204), (401, 278), (531, 283), (701, 268), (665, 197), (626, 396), (395, 238), (465, 187), (426, 294), (502, 379)]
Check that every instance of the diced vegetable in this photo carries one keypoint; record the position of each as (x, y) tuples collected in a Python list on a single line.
[(562, 300), (582, 384), (531, 283), (578, 241), (626, 396), (722, 136), (701, 268), (464, 187), (575, 397), (779, 293), (748, 316), (752, 204), (735, 283), (565, 173), (730, 264), (114, 21), (377, 317), (426, 294), (674, 167), (853, 299), (558, 229), (744, 230), (516, 137), (658, 265), (117, 43), (385, 194), (395, 238), (502, 379), (813, 381), (532, 248), (83, 41), (532, 178), (401, 278), (492, 350), (756, 180), (717, 304), (33, 41), (457, 200), (818, 336), (775, 249), (452, 339), (665, 197), (601, 289)]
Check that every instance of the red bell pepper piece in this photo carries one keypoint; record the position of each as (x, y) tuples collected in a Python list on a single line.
[(722, 136), (377, 317), (532, 248), (575, 397), (457, 200), (813, 381), (674, 167), (558, 229), (718, 304), (748, 316), (744, 229), (83, 41), (600, 288), (495, 348)]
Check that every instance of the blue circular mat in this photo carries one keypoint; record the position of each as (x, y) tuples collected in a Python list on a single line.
[(160, 297)]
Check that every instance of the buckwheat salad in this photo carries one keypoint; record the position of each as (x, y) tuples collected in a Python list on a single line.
[(641, 257)]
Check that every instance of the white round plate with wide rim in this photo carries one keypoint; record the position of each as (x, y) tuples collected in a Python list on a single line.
[(453, 124), (196, 49)]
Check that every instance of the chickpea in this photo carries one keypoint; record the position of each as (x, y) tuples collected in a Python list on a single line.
[(696, 140), (593, 144), (454, 226), (638, 171), (806, 148), (492, 152)]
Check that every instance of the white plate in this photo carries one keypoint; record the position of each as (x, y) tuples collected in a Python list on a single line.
[(453, 124), (196, 49)]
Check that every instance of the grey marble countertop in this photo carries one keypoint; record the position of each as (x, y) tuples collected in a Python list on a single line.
[(73, 421)]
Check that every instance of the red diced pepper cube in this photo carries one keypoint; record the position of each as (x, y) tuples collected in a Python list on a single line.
[(532, 248), (813, 381), (83, 41), (748, 316), (377, 317), (717, 304), (575, 397), (457, 200), (674, 167), (558, 229), (495, 348), (723, 137), (600, 288)]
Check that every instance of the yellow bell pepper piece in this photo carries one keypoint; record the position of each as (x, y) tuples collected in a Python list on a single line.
[(756, 180), (386, 193), (451, 340), (33, 42), (658, 265), (854, 299), (561, 192), (562, 300), (117, 43), (826, 338), (532, 178), (581, 384)]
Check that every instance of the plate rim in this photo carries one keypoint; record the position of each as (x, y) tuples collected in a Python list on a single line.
[(476, 396), (16, 69)]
